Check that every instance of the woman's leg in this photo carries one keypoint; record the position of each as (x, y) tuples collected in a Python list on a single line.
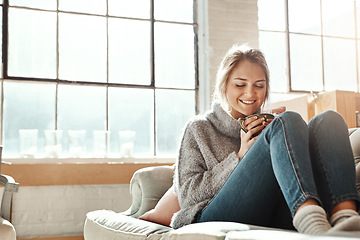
[(333, 163), (279, 157), (250, 193)]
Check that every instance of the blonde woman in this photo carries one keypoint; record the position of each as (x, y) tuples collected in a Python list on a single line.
[(292, 175)]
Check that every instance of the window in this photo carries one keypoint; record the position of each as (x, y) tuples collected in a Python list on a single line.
[(311, 45), (97, 78)]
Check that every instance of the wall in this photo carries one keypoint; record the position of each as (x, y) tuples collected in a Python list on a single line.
[(45, 211), (230, 22)]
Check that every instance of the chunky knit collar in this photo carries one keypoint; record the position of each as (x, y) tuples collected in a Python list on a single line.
[(223, 121)]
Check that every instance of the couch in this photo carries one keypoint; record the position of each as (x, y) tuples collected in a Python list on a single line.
[(7, 230), (148, 185)]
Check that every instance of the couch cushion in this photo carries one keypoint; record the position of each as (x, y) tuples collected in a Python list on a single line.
[(288, 235), (207, 231), (105, 224)]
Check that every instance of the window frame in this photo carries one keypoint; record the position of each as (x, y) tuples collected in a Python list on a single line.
[(198, 63), (288, 43)]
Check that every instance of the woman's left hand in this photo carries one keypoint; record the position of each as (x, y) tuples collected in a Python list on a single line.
[(267, 122), (253, 125)]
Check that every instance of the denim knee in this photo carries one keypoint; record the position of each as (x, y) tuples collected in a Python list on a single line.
[(328, 119), (290, 116), (290, 119)]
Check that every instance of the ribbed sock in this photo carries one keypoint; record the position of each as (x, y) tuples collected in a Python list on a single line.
[(345, 220), (311, 219), (342, 215)]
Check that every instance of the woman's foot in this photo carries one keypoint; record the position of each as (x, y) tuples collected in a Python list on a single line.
[(349, 224), (311, 219)]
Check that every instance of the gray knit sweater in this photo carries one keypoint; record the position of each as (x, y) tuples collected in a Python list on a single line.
[(207, 156)]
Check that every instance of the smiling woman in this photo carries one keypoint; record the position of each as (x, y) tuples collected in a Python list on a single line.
[(231, 171)]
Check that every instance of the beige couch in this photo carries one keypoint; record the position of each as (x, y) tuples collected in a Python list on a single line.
[(7, 230), (149, 184)]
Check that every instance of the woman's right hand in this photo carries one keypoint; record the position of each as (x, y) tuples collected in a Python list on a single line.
[(253, 125)]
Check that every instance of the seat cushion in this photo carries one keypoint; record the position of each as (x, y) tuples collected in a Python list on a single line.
[(7, 230), (207, 231), (288, 235), (105, 224)]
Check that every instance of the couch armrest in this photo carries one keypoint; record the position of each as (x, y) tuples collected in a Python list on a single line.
[(10, 187), (355, 145), (354, 135), (147, 186)]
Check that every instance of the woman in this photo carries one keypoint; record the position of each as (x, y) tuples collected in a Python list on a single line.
[(291, 175)]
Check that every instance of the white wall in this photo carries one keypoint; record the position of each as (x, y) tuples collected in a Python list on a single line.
[(60, 210), (230, 22), (48, 211)]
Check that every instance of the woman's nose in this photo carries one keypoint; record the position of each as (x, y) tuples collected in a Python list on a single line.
[(249, 92)]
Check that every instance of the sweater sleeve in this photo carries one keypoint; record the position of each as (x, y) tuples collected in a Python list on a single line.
[(199, 174)]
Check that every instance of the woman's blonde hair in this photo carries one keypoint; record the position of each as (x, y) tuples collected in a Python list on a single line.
[(233, 57)]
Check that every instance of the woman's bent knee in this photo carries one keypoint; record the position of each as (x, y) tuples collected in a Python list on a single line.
[(291, 116), (329, 118)]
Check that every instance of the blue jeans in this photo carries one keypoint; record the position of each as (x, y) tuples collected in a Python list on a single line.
[(289, 163)]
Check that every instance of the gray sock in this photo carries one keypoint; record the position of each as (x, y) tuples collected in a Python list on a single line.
[(348, 224), (342, 215), (311, 219)]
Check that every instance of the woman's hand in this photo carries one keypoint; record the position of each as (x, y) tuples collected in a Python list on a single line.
[(253, 125)]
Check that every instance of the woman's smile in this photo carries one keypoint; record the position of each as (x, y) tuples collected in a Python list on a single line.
[(248, 101)]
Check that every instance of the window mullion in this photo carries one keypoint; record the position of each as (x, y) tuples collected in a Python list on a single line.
[(356, 48), (57, 65), (5, 27), (152, 56), (322, 46), (287, 31), (5, 10), (107, 69)]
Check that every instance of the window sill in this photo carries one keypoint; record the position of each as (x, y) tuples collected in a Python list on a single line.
[(87, 160), (76, 171)]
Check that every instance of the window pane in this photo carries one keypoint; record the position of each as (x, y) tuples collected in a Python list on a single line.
[(271, 15), (27, 106), (32, 43), (41, 4), (175, 10), (129, 51), (306, 62), (174, 58), (81, 108), (125, 8), (85, 6), (273, 45), (173, 109), (338, 18), (132, 109), (340, 64), (309, 24), (82, 47)]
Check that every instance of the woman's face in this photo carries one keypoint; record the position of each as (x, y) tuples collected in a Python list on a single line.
[(246, 89)]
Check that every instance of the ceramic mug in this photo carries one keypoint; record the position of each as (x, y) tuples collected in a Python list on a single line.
[(258, 115)]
